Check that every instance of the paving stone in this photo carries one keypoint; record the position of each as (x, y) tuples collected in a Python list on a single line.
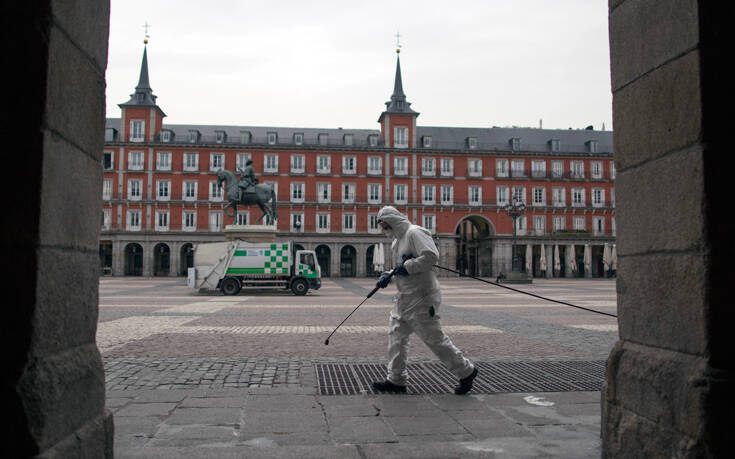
[(146, 409), (362, 430), (205, 416), (187, 435)]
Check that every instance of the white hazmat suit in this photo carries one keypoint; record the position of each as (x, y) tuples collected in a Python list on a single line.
[(416, 305)]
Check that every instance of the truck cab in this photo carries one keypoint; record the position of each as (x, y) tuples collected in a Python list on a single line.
[(307, 267)]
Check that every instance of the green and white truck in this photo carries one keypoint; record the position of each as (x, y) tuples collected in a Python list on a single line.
[(236, 265)]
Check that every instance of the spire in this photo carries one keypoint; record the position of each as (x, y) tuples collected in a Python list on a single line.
[(143, 95), (143, 80), (397, 102)]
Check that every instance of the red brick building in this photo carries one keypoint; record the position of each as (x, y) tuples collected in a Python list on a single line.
[(161, 197)]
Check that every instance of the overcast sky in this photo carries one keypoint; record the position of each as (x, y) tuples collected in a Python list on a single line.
[(331, 64)]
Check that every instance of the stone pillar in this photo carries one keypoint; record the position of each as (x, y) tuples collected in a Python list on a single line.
[(175, 248), (670, 376), (148, 258), (53, 384), (361, 259), (118, 258), (549, 260)]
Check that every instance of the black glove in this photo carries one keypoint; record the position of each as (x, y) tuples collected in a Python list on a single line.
[(400, 270), (383, 281)]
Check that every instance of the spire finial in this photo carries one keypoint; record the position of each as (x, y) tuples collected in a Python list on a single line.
[(398, 42), (146, 26)]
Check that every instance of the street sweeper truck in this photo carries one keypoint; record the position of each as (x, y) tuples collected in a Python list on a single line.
[(236, 265)]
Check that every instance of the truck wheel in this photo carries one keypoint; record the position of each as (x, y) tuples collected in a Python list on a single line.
[(230, 286), (299, 287)]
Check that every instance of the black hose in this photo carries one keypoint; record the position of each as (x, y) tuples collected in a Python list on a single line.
[(525, 293)]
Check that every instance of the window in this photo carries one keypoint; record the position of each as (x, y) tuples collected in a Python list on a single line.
[(559, 222), (135, 189), (135, 161), (216, 161), (502, 195), (162, 220), (400, 194), (373, 223), (374, 193), (271, 163), (400, 137), (272, 138), (521, 225), (400, 165), (215, 191), (612, 226), (596, 169), (220, 136), (373, 140), (108, 160), (429, 222), (137, 130), (577, 169), (322, 223), (107, 189), (110, 135), (515, 144), (538, 169), (519, 193), (475, 195), (612, 170), (191, 161), (598, 197), (427, 166), (297, 221), (501, 167), (557, 169), (323, 139), (163, 161), (375, 165), (558, 197), (189, 220), (598, 225), (348, 193), (133, 220), (106, 219), (297, 164), (474, 167), (578, 223), (612, 197), (591, 146), (554, 145), (539, 196), (193, 136), (539, 224), (348, 165), (190, 190), (298, 139), (471, 143), (427, 194), (242, 159), (347, 139), (348, 223), (245, 137), (165, 136), (578, 197), (447, 194), (163, 190), (324, 191), (297, 192), (323, 165), (518, 168), (215, 220), (426, 141), (447, 167), (243, 218)]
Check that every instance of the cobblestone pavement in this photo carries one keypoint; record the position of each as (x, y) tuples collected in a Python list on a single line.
[(154, 333)]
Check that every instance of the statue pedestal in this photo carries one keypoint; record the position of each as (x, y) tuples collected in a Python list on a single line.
[(251, 233)]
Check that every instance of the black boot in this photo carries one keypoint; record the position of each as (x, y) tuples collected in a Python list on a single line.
[(465, 384), (387, 386)]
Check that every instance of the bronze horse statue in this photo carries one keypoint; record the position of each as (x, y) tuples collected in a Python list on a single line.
[(261, 194)]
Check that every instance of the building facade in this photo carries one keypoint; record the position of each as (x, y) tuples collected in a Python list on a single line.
[(161, 197)]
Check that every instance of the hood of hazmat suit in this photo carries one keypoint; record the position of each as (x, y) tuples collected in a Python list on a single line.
[(420, 289)]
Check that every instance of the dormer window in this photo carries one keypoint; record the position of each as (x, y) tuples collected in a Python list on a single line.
[(373, 140), (426, 140), (515, 144), (165, 136), (193, 136), (298, 139), (110, 134), (471, 143), (554, 145), (348, 139), (323, 139), (221, 136), (272, 138), (591, 146), (244, 137)]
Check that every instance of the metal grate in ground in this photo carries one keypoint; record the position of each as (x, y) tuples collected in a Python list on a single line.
[(494, 377)]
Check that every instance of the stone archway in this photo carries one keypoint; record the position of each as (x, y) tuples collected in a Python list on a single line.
[(161, 259), (347, 261), (474, 249), (369, 257), (324, 258), (133, 259), (186, 258), (106, 258)]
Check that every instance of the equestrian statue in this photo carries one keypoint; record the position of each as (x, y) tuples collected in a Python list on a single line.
[(246, 191)]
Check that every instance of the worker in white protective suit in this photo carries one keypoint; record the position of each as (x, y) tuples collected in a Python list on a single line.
[(416, 304)]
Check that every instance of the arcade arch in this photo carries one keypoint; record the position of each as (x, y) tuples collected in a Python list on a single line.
[(473, 235)]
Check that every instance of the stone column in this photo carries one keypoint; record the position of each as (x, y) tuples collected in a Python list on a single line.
[(148, 258), (175, 258), (549, 260), (53, 384), (118, 258), (670, 376), (361, 259)]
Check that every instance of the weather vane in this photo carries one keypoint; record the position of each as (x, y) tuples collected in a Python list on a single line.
[(146, 26), (398, 42)]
